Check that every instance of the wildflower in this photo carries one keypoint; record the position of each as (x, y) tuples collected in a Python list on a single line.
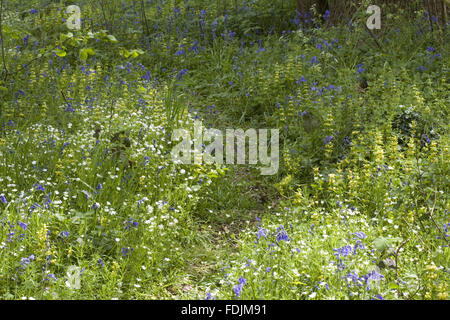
[(51, 276), (100, 263), (360, 68), (360, 235), (25, 39), (22, 225), (302, 79), (125, 251), (181, 74), (39, 187), (328, 139), (209, 296), (3, 199), (261, 233), (26, 261), (237, 290), (130, 223), (64, 234), (95, 206), (343, 252), (282, 234)]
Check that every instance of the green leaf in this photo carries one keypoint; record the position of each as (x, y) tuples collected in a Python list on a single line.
[(381, 243), (60, 52), (141, 89), (85, 52), (393, 285), (125, 53), (111, 38), (134, 54)]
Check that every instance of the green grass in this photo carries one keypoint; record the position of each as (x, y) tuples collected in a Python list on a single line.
[(93, 207)]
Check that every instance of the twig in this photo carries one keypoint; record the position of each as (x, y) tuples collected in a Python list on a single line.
[(432, 218), (64, 97), (417, 233), (1, 39), (373, 37)]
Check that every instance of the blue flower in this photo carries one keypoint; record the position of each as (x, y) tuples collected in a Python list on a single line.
[(125, 251), (95, 206), (26, 261), (130, 223), (181, 74), (64, 234), (282, 234), (25, 39), (302, 79), (209, 296), (360, 68), (51, 276), (237, 290), (360, 235), (261, 233), (3, 199), (22, 225), (39, 187), (100, 263)]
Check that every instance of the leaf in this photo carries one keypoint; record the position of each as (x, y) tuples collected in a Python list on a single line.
[(84, 53), (141, 89), (381, 243), (393, 285), (60, 52), (111, 38), (125, 53)]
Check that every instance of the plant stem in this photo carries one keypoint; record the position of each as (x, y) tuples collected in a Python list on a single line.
[(1, 39)]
